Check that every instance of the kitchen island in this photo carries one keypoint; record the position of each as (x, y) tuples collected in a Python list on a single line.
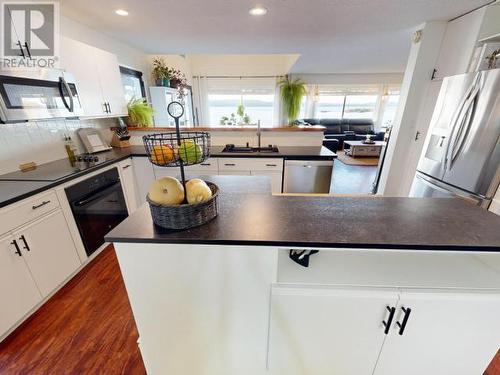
[(399, 285)]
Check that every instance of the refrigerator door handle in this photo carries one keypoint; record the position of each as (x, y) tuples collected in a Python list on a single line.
[(464, 104), (463, 129)]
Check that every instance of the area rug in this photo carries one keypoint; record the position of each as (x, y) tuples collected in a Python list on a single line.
[(349, 160)]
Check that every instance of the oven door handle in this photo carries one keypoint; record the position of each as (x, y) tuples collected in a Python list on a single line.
[(97, 194)]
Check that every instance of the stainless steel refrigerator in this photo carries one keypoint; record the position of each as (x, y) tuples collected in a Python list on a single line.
[(461, 154)]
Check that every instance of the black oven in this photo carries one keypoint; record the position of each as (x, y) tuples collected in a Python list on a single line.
[(98, 205)]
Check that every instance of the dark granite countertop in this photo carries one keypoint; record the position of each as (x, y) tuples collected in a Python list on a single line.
[(319, 222), (14, 186)]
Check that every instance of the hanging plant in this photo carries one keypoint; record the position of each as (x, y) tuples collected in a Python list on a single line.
[(291, 92)]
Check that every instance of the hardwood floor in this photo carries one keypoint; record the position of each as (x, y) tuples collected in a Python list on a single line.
[(86, 328), (352, 179)]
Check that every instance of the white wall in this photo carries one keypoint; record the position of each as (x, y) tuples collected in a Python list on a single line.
[(352, 79), (42, 141), (242, 65)]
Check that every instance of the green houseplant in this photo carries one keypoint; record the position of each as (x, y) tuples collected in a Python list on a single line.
[(291, 92), (161, 72), (140, 113)]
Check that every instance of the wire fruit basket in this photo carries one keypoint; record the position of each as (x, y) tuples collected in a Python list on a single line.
[(180, 149)]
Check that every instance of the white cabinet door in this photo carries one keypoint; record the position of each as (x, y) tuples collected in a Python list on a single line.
[(79, 59), (458, 44), (49, 251), (18, 291), (321, 330), (446, 333), (144, 177), (111, 83), (275, 179), (128, 184)]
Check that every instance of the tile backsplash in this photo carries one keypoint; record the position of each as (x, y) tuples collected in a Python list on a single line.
[(43, 141)]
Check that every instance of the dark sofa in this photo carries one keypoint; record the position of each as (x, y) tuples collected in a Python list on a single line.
[(346, 129)]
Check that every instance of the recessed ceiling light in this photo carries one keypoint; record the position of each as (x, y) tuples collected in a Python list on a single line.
[(121, 12), (258, 11)]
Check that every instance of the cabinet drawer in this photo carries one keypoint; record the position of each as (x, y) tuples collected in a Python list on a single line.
[(30, 209), (210, 165), (250, 164)]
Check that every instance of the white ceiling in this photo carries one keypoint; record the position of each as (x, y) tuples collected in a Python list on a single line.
[(332, 36)]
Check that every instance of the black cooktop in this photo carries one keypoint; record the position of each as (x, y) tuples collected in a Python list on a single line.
[(56, 170)]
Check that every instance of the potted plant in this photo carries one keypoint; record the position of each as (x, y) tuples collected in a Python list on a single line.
[(161, 72), (140, 113), (178, 79), (291, 92)]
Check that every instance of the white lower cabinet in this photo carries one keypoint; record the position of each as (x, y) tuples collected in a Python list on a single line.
[(339, 330), (18, 291), (446, 332), (128, 184), (327, 330), (49, 251), (276, 179)]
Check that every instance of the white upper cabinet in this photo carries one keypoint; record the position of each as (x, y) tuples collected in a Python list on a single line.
[(458, 44), (446, 332), (98, 79), (490, 28), (18, 291)]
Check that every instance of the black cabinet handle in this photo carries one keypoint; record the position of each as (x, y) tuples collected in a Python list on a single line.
[(229, 164), (271, 165), (206, 164), (402, 325), (27, 49), (22, 238), (18, 251), (108, 107), (40, 205), (21, 48), (126, 166), (387, 325)]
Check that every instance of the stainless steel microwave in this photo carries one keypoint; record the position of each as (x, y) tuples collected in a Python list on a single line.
[(38, 95)]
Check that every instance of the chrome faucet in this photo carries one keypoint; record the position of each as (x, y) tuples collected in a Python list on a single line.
[(258, 133)]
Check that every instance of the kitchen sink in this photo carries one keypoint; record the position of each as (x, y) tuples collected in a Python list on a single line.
[(247, 148)]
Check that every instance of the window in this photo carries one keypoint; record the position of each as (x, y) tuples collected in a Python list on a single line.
[(360, 106), (346, 102), (330, 106), (391, 101), (132, 82), (241, 101)]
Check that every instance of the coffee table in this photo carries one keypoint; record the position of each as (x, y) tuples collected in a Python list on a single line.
[(358, 148)]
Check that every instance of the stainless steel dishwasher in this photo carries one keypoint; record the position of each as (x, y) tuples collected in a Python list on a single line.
[(307, 176)]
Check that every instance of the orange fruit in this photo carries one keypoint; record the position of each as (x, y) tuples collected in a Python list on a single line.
[(162, 154)]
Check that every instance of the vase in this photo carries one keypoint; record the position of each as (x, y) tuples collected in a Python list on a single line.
[(159, 82), (166, 82)]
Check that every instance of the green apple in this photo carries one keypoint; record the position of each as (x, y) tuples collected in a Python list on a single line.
[(190, 152)]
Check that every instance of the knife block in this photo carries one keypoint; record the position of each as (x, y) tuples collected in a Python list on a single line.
[(117, 142)]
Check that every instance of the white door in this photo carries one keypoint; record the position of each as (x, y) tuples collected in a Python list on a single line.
[(78, 58), (275, 179), (128, 184), (49, 251), (446, 333), (326, 330), (18, 291), (111, 83)]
